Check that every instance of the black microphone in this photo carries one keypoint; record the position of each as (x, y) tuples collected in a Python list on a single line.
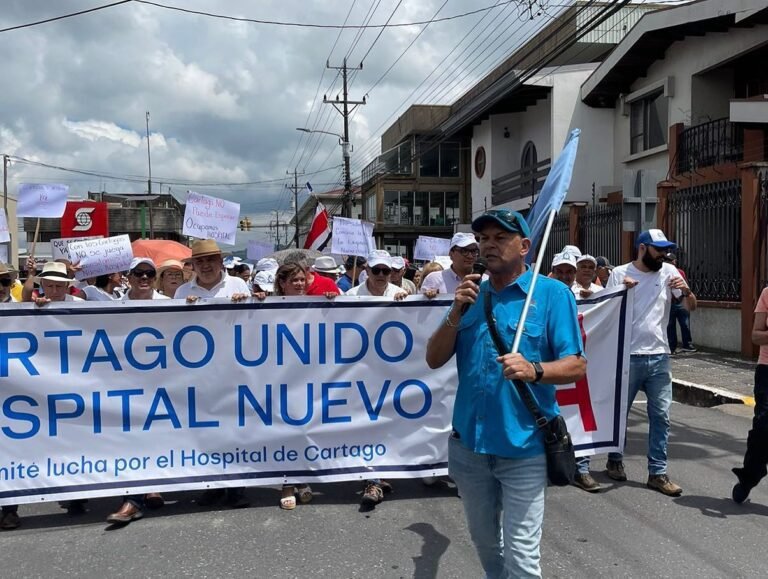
[(479, 267)]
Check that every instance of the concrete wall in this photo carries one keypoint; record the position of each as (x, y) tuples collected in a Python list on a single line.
[(717, 328), (683, 61)]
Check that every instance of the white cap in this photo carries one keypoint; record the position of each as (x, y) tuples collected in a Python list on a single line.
[(572, 249), (267, 264), (265, 280), (398, 262), (379, 257), (463, 239), (137, 261), (231, 261), (564, 258), (587, 257)]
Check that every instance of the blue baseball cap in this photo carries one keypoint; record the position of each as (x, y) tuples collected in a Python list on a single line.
[(509, 220), (656, 238)]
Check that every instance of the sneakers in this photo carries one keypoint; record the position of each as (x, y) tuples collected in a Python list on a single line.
[(587, 483), (372, 495), (125, 514), (688, 348), (739, 493), (661, 483), (615, 470)]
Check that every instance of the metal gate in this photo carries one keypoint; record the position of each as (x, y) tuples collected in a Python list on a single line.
[(600, 232), (706, 221)]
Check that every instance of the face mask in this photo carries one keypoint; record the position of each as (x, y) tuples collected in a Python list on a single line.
[(652, 263)]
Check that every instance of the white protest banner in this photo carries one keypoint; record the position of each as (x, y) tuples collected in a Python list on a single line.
[(258, 249), (41, 200), (4, 254), (5, 235), (60, 247), (115, 398), (428, 247), (211, 218), (352, 237), (595, 408), (101, 255)]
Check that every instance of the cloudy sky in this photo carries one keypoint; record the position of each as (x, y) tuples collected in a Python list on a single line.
[(224, 96)]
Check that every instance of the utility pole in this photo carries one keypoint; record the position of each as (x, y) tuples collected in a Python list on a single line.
[(295, 190), (345, 112), (148, 202), (6, 162)]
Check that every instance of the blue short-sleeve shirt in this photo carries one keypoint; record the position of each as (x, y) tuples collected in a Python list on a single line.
[(489, 415)]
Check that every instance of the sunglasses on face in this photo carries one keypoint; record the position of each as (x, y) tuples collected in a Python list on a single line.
[(147, 273), (468, 252), (5, 281), (507, 217), (380, 271)]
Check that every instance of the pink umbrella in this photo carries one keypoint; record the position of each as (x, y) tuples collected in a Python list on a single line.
[(159, 250)]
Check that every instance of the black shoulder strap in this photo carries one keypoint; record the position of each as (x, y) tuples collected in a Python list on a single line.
[(522, 388)]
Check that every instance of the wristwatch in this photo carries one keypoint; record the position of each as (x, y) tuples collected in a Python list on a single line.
[(539, 371)]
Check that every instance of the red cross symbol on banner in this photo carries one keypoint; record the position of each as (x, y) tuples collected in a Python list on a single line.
[(579, 394)]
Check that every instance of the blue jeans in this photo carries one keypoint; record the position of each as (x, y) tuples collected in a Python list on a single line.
[(678, 313), (492, 487), (651, 375)]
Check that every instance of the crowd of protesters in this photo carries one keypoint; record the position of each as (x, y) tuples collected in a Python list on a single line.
[(506, 530)]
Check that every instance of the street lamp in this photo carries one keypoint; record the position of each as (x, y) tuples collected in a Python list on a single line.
[(346, 149)]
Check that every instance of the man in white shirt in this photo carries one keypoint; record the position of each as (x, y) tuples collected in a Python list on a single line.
[(211, 279), (655, 283), (398, 271), (379, 269), (464, 252), (586, 269), (564, 268)]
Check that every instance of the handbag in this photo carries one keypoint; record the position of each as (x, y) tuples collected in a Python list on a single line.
[(558, 446)]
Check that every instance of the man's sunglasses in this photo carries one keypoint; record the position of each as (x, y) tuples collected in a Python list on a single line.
[(467, 252), (380, 271), (5, 281), (147, 273)]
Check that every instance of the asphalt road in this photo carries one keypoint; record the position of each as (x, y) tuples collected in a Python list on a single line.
[(626, 531)]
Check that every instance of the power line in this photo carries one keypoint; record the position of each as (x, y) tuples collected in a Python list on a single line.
[(307, 25), (63, 16)]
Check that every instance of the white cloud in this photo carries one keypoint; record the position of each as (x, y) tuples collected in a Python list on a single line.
[(95, 130)]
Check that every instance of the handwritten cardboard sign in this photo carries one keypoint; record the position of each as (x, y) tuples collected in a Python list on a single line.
[(101, 256), (60, 247), (5, 235), (208, 217), (428, 247), (352, 237), (42, 200)]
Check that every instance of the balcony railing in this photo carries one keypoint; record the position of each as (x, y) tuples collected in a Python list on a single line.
[(709, 144), (525, 182)]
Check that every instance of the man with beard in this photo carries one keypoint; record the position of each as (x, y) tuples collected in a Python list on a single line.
[(656, 284)]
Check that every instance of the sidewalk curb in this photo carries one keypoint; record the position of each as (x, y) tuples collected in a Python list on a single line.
[(706, 396)]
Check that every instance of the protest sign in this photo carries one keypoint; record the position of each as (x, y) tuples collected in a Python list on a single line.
[(60, 247), (101, 255), (4, 254), (114, 398), (352, 237), (428, 247), (41, 200), (258, 249), (5, 235), (211, 218)]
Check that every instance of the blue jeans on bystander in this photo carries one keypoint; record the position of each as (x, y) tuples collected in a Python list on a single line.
[(651, 375)]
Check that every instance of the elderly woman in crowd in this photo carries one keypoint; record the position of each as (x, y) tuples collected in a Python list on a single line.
[(170, 275), (432, 266)]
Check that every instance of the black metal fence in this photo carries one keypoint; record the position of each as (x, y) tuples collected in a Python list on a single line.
[(558, 238), (600, 231), (709, 144), (706, 221)]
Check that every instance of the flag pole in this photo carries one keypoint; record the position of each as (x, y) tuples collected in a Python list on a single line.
[(34, 241), (537, 266)]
